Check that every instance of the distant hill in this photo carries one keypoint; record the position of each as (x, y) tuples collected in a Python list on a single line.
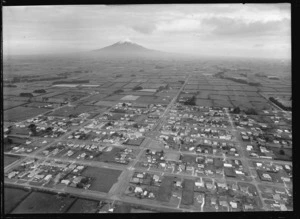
[(128, 48)]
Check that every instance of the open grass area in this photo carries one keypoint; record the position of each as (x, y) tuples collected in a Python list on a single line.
[(188, 192), (9, 159), (165, 189), (103, 178), (38, 202), (12, 197), (83, 206), (123, 208), (188, 158), (285, 154), (108, 156)]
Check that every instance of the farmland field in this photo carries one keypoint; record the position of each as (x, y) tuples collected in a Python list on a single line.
[(114, 97), (38, 202), (83, 206), (7, 104), (222, 103), (103, 178), (12, 197), (14, 114), (74, 110), (202, 102), (10, 159)]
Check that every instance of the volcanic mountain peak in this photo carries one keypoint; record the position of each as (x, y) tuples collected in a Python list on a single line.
[(124, 46), (127, 48), (128, 41)]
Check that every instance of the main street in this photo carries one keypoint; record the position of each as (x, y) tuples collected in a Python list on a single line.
[(171, 104)]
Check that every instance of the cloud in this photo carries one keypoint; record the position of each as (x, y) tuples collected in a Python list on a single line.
[(179, 25), (144, 28), (224, 26), (191, 28), (258, 45)]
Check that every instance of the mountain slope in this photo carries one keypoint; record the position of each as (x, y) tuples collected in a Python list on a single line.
[(127, 48)]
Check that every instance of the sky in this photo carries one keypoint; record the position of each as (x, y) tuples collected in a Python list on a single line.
[(242, 30)]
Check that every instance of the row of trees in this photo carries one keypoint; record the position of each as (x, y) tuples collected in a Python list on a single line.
[(249, 111), (72, 82), (40, 91), (280, 104), (191, 101)]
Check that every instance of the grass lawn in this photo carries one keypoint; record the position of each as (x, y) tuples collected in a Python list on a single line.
[(103, 178), (12, 197), (287, 156), (83, 206), (38, 202)]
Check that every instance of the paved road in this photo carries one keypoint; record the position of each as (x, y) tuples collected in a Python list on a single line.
[(163, 117)]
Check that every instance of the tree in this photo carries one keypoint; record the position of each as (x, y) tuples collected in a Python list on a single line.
[(26, 95), (281, 152), (9, 141), (138, 88), (191, 101), (251, 111), (72, 116), (49, 129), (79, 185), (160, 88), (119, 91), (32, 126), (236, 110), (39, 91), (84, 180)]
